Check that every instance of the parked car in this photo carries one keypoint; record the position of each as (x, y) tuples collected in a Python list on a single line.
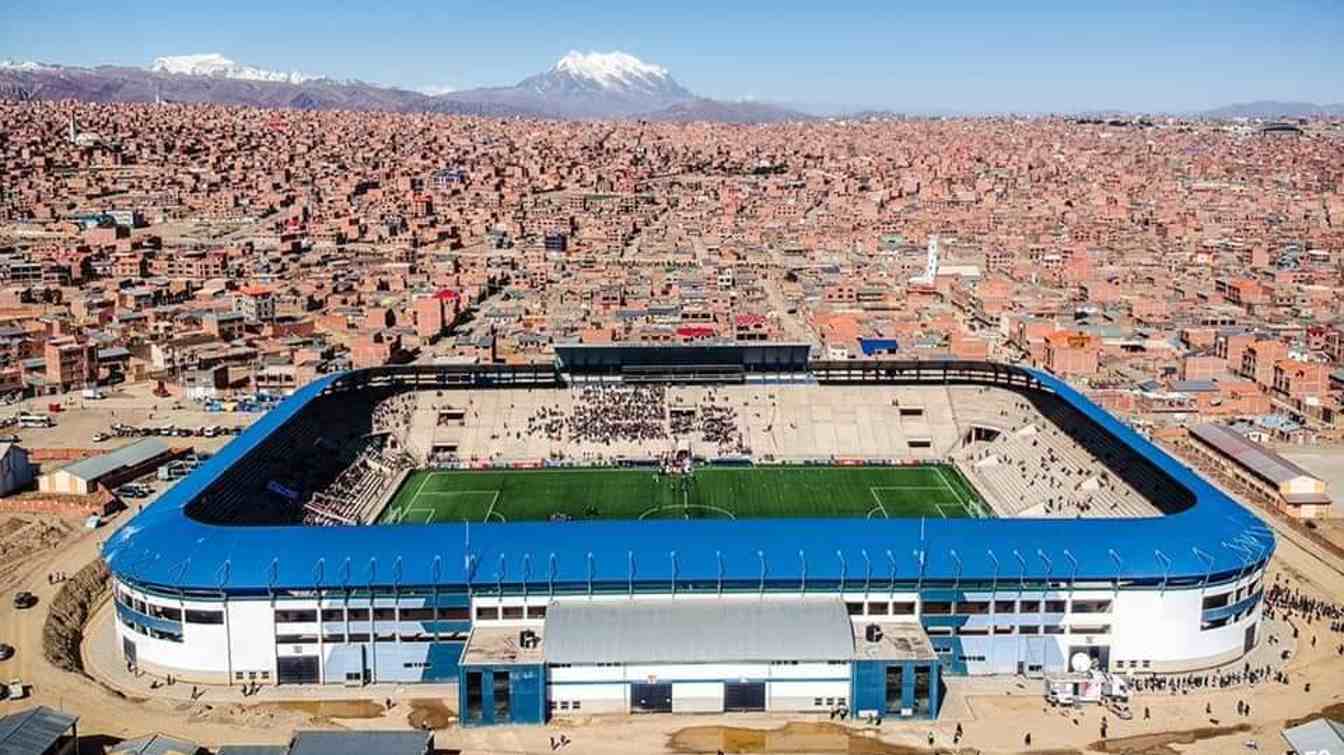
[(10, 438), (24, 599), (99, 437), (6, 651)]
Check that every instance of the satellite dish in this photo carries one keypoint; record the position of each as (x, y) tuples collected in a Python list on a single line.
[(1080, 662)]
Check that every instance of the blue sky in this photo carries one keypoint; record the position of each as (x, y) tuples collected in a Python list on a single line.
[(969, 55)]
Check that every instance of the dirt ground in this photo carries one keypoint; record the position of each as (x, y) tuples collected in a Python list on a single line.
[(132, 404), (994, 723)]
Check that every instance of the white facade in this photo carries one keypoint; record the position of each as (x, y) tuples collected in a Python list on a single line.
[(1135, 630)]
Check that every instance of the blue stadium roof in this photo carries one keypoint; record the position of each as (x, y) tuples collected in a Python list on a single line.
[(164, 546)]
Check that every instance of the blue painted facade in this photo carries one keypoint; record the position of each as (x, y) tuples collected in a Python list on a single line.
[(873, 688), (526, 695)]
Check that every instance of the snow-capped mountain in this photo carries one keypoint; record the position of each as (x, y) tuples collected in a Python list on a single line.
[(578, 85), (606, 73), (584, 85), (23, 65), (216, 65)]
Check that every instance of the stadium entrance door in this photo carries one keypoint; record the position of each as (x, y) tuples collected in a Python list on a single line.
[(650, 698), (298, 669), (743, 697)]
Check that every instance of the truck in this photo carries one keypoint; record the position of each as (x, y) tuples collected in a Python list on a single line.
[(1086, 687)]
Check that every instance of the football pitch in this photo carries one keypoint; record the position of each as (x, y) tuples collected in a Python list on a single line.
[(935, 491)]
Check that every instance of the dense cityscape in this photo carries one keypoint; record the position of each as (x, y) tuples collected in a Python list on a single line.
[(1174, 268)]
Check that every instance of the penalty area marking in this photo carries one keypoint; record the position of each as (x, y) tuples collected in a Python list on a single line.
[(684, 507), (880, 506), (968, 505), (490, 511), (939, 508)]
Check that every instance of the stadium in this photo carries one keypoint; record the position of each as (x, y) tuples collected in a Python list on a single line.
[(664, 529)]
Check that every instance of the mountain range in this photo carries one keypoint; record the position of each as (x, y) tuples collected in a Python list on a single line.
[(589, 85), (580, 85)]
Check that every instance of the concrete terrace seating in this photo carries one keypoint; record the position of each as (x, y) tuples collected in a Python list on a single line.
[(1046, 460)]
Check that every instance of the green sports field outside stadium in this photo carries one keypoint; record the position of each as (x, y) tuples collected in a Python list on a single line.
[(933, 491)]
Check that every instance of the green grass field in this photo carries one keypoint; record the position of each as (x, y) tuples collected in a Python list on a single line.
[(709, 493)]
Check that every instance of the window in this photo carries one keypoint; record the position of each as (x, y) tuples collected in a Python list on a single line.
[(937, 607), (903, 608), (1029, 630), (973, 631), (384, 614), (238, 675), (487, 613), (1217, 601), (169, 636), (333, 614), (576, 705), (1147, 664), (357, 637), (564, 705), (164, 612), (1004, 606), (973, 607), (204, 617), (1056, 606), (855, 609), (1091, 606), (536, 612), (816, 702), (357, 614), (1003, 629), (878, 609), (512, 612), (454, 613), (1052, 629), (1099, 629), (475, 695), (417, 614), (1029, 606), (291, 616), (333, 638), (140, 605), (295, 639)]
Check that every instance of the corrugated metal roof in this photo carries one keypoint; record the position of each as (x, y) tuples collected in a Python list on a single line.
[(1255, 457), (128, 456), (155, 744), (697, 631), (1321, 736), (361, 743), (33, 731)]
